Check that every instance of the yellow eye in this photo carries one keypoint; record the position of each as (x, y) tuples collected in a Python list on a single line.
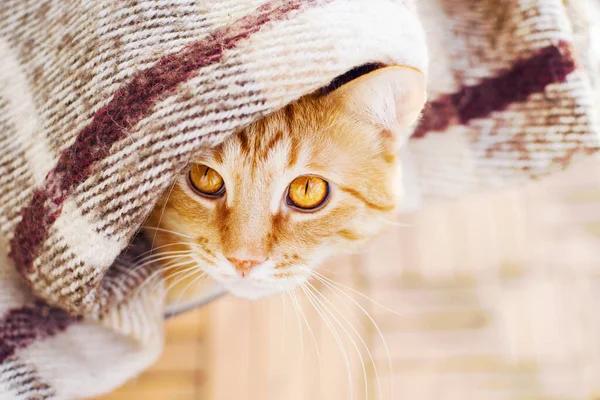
[(206, 181), (308, 192)]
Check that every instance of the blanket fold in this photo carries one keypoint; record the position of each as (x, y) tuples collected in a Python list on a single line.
[(103, 103)]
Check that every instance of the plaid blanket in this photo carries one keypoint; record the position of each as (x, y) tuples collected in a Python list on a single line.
[(102, 103)]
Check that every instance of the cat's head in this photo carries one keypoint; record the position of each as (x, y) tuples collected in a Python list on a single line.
[(319, 177)]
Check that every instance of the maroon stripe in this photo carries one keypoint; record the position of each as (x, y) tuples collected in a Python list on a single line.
[(22, 326), (128, 106), (549, 65)]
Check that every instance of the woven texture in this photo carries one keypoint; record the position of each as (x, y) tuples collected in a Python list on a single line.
[(513, 89), (102, 103)]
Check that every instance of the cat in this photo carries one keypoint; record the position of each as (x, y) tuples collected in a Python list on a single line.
[(260, 211)]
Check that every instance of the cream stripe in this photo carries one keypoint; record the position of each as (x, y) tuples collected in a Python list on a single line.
[(22, 113), (95, 248)]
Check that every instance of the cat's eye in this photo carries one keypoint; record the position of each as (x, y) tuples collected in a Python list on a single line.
[(206, 181), (308, 193)]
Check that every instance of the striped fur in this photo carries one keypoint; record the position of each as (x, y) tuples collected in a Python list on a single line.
[(317, 135)]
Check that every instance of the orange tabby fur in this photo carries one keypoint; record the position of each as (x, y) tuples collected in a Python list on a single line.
[(324, 136)]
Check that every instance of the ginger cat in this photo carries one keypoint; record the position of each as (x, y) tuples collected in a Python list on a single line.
[(259, 212)]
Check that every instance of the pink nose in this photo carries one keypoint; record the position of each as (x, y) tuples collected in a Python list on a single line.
[(243, 266)]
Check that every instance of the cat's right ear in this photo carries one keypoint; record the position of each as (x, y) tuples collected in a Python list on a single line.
[(390, 97)]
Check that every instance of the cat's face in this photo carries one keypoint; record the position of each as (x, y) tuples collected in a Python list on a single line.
[(260, 211)]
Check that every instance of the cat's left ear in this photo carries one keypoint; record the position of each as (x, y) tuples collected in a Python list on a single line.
[(390, 97)]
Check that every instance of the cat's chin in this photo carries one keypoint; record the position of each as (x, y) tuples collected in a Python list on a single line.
[(252, 292), (254, 289)]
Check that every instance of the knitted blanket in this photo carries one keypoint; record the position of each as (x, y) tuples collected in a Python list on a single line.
[(102, 103)]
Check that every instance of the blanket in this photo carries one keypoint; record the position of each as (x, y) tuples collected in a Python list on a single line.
[(103, 103)]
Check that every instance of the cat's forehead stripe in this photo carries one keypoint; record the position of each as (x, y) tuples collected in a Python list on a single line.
[(293, 152)]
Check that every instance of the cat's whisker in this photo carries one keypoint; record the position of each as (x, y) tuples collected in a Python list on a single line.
[(284, 331), (159, 267), (132, 273), (159, 260), (356, 332), (297, 308), (126, 269), (316, 345), (345, 303), (153, 250), (196, 280), (318, 275), (199, 281), (176, 265), (335, 293), (185, 273), (156, 283), (163, 212), (335, 335), (330, 283), (334, 273), (170, 266), (326, 306), (164, 262), (139, 290), (181, 263), (167, 231), (174, 259)]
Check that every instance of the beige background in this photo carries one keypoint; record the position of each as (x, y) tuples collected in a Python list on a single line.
[(496, 297)]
